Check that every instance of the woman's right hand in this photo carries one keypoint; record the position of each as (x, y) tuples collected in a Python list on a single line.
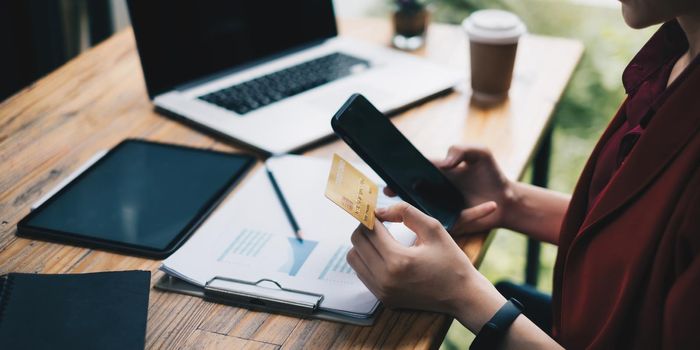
[(487, 192), (474, 171)]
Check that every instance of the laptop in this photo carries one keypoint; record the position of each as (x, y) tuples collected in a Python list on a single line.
[(269, 75)]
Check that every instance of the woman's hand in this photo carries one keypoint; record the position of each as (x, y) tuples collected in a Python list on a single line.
[(494, 201), (486, 190), (434, 274)]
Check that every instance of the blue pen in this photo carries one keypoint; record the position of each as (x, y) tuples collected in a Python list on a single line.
[(285, 206)]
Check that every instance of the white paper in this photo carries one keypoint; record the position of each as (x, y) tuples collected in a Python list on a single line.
[(249, 238)]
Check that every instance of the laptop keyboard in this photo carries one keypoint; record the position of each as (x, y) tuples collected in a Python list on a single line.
[(262, 91)]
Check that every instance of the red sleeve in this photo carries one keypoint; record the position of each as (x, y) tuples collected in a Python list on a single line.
[(682, 310)]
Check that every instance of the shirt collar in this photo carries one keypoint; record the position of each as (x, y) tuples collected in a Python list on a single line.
[(669, 42)]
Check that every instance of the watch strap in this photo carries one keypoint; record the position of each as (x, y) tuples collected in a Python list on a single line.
[(492, 333)]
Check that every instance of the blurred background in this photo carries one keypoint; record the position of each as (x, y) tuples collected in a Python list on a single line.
[(41, 35)]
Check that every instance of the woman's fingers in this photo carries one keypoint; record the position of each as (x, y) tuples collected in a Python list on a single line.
[(381, 239), (475, 219), (479, 211), (364, 273), (421, 224), (389, 192), (365, 248), (459, 154), (449, 168)]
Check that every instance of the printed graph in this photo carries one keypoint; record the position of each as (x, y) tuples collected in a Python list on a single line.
[(337, 269), (280, 253)]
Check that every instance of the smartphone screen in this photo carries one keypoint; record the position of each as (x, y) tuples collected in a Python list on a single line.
[(391, 155)]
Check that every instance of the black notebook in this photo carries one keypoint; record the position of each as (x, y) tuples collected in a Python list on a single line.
[(106, 310)]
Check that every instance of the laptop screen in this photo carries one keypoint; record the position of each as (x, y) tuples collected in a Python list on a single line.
[(181, 41)]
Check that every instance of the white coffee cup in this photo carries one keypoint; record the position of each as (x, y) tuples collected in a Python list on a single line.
[(493, 43)]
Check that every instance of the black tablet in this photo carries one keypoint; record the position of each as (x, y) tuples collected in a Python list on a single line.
[(141, 198)]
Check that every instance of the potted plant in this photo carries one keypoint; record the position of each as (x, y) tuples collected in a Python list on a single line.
[(411, 20)]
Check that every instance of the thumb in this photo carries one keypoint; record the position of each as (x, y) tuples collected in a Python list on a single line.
[(475, 219), (424, 226), (467, 154)]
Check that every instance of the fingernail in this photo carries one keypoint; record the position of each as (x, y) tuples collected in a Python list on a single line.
[(380, 211)]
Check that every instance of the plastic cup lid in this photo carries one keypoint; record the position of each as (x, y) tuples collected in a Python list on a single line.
[(494, 27)]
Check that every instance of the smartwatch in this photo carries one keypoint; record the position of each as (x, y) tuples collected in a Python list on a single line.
[(492, 333)]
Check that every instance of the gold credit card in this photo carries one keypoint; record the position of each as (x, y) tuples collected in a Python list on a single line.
[(353, 191)]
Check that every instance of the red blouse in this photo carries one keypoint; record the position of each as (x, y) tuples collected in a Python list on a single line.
[(627, 274), (645, 80)]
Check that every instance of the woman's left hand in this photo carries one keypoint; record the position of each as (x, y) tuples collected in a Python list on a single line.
[(434, 274)]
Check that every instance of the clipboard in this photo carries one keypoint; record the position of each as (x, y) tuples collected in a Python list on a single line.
[(238, 242), (306, 305)]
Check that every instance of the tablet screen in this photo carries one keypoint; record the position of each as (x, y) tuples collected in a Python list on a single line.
[(140, 194)]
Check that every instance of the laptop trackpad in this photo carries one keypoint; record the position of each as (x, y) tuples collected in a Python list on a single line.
[(333, 99)]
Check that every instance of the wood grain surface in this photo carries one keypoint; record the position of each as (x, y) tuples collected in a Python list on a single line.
[(98, 99)]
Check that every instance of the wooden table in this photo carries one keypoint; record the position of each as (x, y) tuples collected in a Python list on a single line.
[(99, 98)]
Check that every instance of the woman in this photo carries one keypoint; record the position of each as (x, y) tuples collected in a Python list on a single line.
[(628, 269)]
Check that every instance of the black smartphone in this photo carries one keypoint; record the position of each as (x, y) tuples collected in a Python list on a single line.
[(394, 158)]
